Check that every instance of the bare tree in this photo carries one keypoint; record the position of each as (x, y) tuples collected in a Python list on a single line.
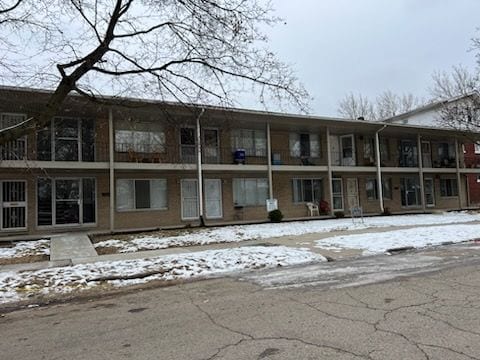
[(459, 82), (183, 50), (355, 107), (386, 105), (457, 93)]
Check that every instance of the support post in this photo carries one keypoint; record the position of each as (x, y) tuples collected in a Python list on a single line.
[(379, 171), (420, 173), (269, 162), (329, 171), (111, 163), (199, 169), (459, 178)]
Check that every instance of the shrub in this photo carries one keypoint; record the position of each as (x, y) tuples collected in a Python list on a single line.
[(275, 215), (339, 214)]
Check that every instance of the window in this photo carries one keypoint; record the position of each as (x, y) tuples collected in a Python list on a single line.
[(448, 187), (250, 192), (372, 188), (408, 153), (254, 142), (139, 141), (304, 145), (67, 139), (384, 149), (13, 150), (478, 178), (141, 194), (446, 154), (307, 190), (369, 148), (187, 144), (477, 148)]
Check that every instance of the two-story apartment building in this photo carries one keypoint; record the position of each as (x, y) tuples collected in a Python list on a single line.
[(435, 115), (137, 164)]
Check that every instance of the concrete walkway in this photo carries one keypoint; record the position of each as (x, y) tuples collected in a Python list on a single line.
[(71, 246)]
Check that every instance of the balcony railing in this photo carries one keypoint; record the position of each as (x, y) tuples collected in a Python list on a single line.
[(185, 154), (285, 157), (17, 150)]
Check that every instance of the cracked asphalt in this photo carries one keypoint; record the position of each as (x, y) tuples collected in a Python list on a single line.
[(421, 305)]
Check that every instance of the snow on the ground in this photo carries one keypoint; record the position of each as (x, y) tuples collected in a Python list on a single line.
[(379, 242), (23, 285), (26, 248), (262, 231)]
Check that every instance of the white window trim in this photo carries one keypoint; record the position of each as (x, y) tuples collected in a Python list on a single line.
[(308, 178), (258, 202), (134, 196)]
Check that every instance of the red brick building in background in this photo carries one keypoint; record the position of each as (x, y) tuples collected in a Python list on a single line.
[(471, 153)]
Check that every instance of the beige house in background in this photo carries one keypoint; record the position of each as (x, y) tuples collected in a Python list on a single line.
[(140, 165)]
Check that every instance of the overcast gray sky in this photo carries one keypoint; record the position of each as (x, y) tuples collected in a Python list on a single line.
[(367, 46)]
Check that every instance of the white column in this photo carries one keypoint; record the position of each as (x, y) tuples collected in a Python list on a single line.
[(269, 162), (379, 172), (329, 170), (420, 172), (111, 159), (457, 164), (199, 167)]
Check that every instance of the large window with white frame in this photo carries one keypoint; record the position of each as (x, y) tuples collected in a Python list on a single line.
[(307, 190), (141, 194), (254, 142), (304, 145), (67, 139), (250, 192), (139, 136), (17, 149)]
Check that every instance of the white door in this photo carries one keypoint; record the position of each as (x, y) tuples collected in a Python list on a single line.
[(189, 195), (347, 150), (213, 198), (352, 193)]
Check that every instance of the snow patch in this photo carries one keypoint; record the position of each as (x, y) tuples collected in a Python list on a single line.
[(379, 242), (23, 285), (263, 231)]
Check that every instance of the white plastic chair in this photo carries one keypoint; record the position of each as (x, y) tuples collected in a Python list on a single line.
[(312, 208)]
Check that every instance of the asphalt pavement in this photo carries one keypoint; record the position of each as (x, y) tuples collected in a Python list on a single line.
[(419, 305)]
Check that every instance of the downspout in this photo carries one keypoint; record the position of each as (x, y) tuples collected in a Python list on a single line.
[(379, 168), (112, 169), (269, 162), (420, 173), (199, 169)]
